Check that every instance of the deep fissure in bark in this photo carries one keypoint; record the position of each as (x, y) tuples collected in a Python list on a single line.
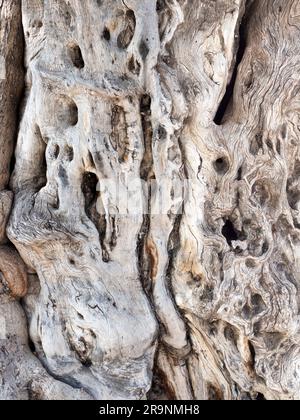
[(242, 45), (90, 188), (160, 388), (173, 248), (229, 232), (146, 172)]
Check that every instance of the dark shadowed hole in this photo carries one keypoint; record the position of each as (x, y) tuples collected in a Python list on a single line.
[(89, 188), (56, 150), (134, 66), (260, 397), (160, 5), (221, 165), (31, 346), (125, 37), (56, 204), (91, 193), (145, 104), (253, 354), (76, 56), (73, 114), (106, 34), (43, 171), (278, 147), (12, 163), (87, 363), (38, 24), (147, 162), (131, 64), (265, 248), (162, 132), (269, 144), (229, 232), (42, 164), (239, 174)]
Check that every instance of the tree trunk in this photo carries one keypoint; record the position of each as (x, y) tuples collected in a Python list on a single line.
[(150, 229)]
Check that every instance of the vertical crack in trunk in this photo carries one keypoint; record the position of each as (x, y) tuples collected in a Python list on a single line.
[(147, 174), (241, 35)]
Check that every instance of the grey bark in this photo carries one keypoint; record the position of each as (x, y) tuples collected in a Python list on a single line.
[(158, 295)]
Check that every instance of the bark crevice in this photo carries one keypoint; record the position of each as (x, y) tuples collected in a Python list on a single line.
[(241, 34)]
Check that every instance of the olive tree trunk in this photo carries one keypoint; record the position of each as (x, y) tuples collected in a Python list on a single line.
[(149, 219)]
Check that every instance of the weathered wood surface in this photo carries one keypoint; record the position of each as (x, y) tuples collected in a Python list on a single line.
[(197, 299)]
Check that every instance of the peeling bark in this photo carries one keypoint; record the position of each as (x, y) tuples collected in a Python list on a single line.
[(153, 218)]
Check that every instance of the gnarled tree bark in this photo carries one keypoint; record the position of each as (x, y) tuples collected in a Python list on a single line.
[(149, 235)]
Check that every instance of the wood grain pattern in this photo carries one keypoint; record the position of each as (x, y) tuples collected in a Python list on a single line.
[(156, 294)]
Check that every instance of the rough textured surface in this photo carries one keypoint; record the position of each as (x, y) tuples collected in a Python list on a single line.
[(21, 374), (155, 294)]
